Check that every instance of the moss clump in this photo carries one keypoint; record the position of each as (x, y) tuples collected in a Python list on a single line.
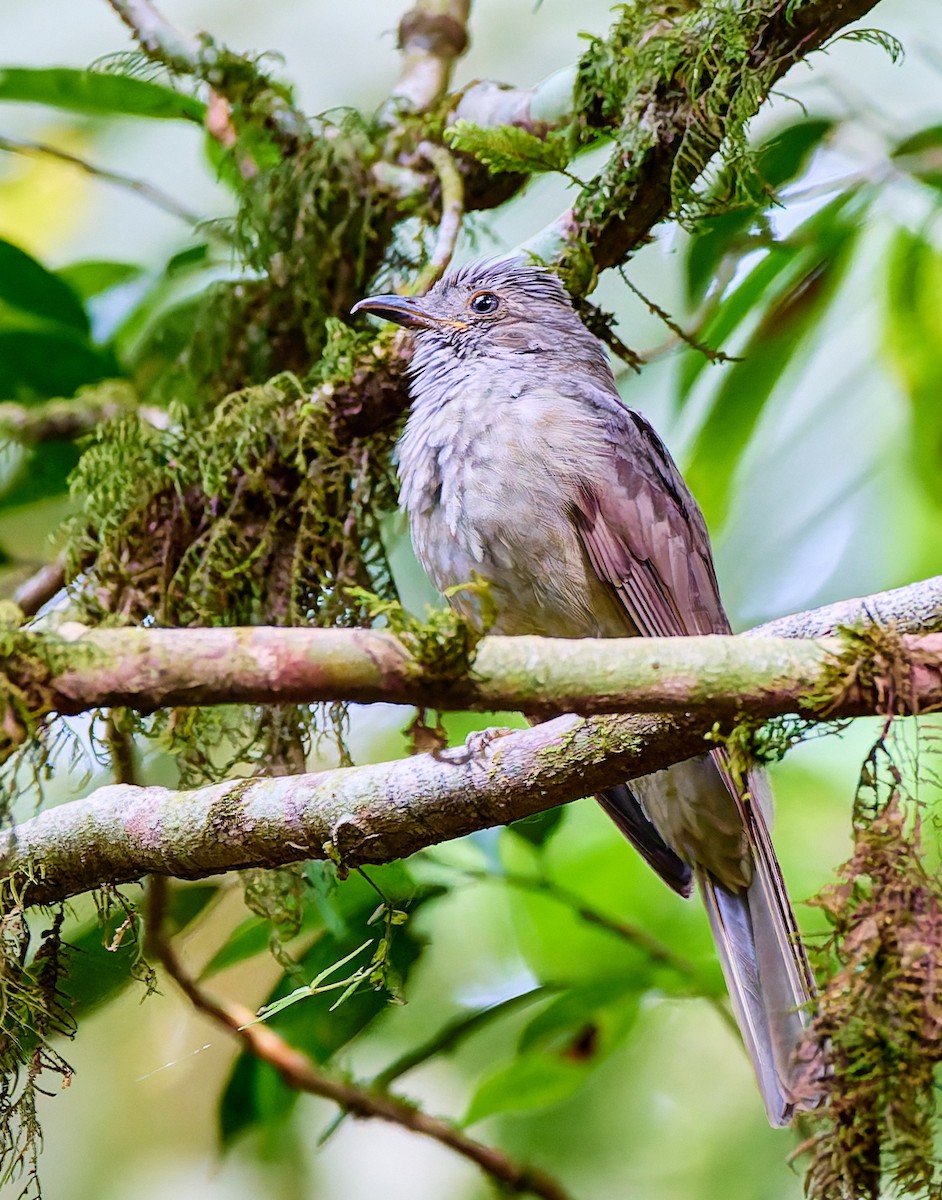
[(879, 1022)]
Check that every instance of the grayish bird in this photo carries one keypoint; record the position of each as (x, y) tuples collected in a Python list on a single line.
[(521, 464)]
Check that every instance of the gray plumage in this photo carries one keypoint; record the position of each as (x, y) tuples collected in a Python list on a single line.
[(520, 463)]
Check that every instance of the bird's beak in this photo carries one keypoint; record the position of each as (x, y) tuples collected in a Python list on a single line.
[(404, 310)]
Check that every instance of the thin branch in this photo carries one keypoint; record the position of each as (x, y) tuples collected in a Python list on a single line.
[(449, 227), (181, 52), (40, 588), (140, 187), (432, 35), (74, 669), (57, 420), (198, 55), (300, 1073)]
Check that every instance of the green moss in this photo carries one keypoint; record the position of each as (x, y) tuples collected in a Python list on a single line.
[(879, 1021)]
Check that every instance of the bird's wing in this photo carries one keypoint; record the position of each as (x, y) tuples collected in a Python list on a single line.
[(645, 536)]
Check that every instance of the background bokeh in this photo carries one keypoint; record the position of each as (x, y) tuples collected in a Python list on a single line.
[(830, 497)]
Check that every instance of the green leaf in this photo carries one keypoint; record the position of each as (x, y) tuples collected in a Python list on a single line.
[(26, 285), (780, 159), (186, 902), (41, 364), (560, 1046), (97, 92), (92, 277), (579, 1006), (748, 384), (781, 264), (96, 974), (251, 938), (254, 1094), (913, 336), (529, 1082), (786, 153), (920, 155), (538, 829), (507, 148), (43, 475)]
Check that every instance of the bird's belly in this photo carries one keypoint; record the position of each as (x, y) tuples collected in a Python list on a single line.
[(519, 538)]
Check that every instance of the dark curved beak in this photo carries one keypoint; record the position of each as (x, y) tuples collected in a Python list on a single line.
[(404, 310)]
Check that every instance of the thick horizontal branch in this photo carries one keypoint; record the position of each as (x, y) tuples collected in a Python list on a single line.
[(353, 815), (147, 669), (78, 669)]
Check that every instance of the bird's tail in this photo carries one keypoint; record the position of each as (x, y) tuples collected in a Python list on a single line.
[(766, 968)]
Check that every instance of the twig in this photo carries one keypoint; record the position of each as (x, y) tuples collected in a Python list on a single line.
[(300, 1073), (199, 56), (121, 749), (449, 227), (59, 420), (432, 35), (147, 191), (679, 332), (40, 588)]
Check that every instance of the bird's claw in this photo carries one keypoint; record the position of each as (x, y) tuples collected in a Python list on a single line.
[(475, 745)]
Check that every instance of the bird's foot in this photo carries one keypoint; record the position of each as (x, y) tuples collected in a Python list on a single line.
[(475, 745)]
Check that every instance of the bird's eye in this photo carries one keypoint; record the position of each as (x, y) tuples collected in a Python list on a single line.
[(484, 303)]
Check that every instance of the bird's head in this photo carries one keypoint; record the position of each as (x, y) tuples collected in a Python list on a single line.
[(492, 308)]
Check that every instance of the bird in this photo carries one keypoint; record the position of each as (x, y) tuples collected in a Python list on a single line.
[(521, 465)]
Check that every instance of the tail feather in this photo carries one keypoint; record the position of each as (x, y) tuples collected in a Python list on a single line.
[(708, 816), (767, 972), (768, 1000)]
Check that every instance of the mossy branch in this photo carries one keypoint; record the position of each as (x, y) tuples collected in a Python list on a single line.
[(351, 815), (720, 677), (894, 666)]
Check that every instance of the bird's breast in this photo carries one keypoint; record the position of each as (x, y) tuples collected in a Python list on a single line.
[(488, 480)]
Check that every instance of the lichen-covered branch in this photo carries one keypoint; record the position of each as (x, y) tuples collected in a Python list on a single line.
[(432, 34), (302, 1074), (913, 608), (54, 420), (77, 669), (703, 79), (352, 816), (229, 75)]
